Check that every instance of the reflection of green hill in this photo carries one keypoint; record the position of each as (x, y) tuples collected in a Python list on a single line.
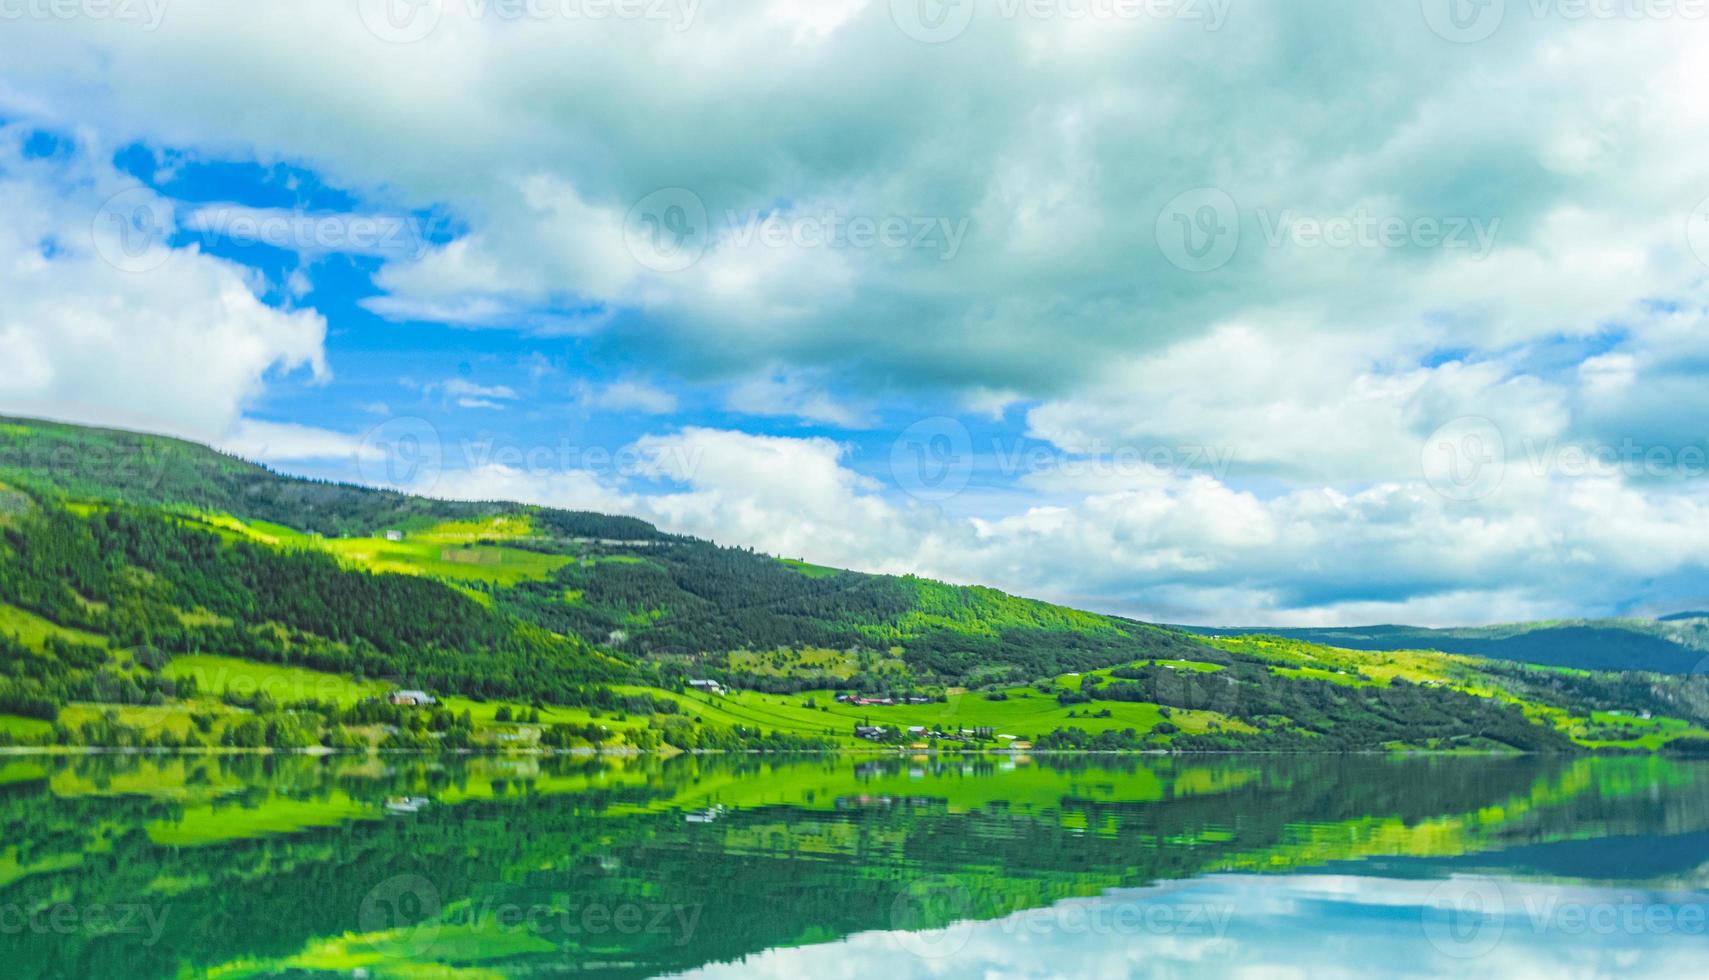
[(1661, 860), (762, 853)]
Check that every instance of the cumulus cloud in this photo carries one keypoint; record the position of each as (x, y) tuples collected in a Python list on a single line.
[(283, 442), (1581, 172), (464, 393), (627, 396), (571, 490), (793, 397), (102, 323), (1288, 250), (1170, 546), (1329, 411), (1340, 927)]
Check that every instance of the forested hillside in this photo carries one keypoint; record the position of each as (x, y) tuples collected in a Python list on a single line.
[(1676, 644), (630, 587), (158, 593)]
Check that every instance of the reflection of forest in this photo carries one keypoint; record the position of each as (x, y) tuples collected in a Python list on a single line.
[(259, 859)]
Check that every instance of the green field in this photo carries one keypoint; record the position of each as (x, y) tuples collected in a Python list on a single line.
[(152, 720), (1073, 681), (1023, 711), (32, 629), (811, 570), (24, 727), (1024, 714), (220, 675), (453, 550), (790, 663)]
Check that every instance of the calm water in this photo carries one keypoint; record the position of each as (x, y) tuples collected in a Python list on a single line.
[(190, 866)]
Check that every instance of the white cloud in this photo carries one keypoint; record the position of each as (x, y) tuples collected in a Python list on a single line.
[(467, 394), (572, 490), (1586, 159), (1332, 410), (627, 396), (462, 388), (1320, 370), (150, 337), (793, 397), (1173, 547), (280, 442), (1250, 926), (989, 402)]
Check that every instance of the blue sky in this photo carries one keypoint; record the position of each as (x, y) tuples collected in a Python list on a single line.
[(1193, 310)]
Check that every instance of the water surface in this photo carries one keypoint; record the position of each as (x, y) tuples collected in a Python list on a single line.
[(830, 867)]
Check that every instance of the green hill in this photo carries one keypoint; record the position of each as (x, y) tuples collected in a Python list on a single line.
[(1670, 645), (156, 592)]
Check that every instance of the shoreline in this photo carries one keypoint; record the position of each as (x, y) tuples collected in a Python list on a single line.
[(19, 751)]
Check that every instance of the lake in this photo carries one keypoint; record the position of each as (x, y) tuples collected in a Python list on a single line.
[(724, 866)]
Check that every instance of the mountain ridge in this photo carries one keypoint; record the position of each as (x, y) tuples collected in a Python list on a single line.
[(1672, 645)]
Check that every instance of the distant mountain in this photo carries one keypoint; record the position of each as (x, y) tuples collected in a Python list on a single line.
[(1677, 644)]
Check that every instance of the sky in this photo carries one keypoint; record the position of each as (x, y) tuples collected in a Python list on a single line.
[(1205, 311)]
